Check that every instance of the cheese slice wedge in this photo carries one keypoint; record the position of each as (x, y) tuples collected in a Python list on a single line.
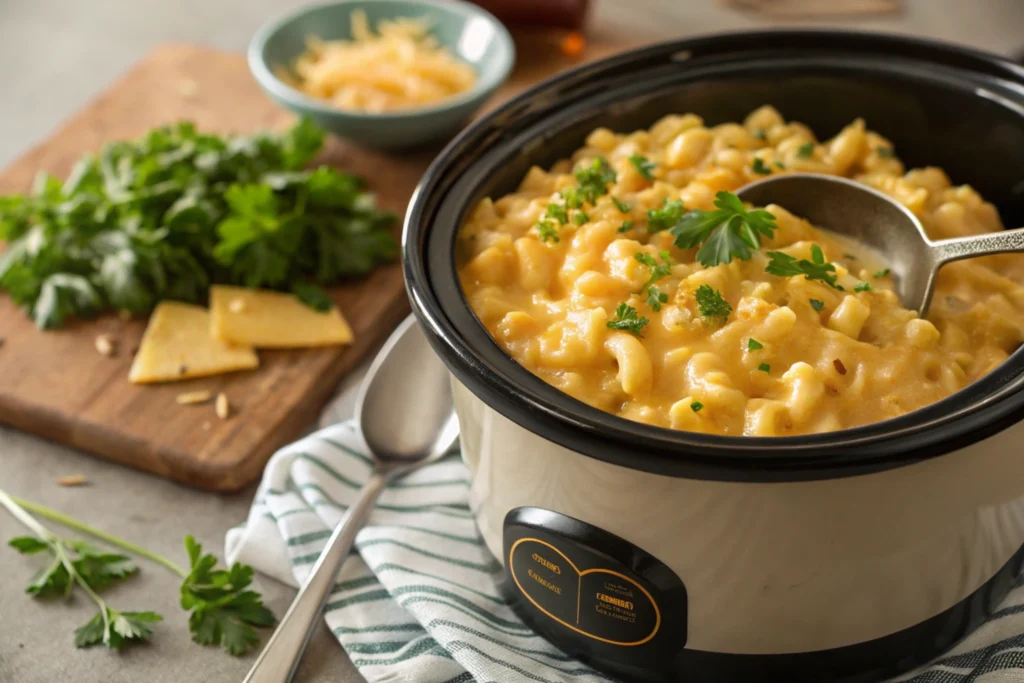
[(177, 345), (266, 319)]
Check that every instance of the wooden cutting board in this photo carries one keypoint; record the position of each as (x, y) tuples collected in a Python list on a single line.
[(57, 385)]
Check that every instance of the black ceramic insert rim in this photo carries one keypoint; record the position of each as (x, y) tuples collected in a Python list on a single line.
[(528, 128)]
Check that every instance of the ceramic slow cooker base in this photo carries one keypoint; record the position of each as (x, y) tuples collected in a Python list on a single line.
[(623, 603), (836, 579)]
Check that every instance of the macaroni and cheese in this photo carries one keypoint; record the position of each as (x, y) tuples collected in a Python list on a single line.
[(578, 281)]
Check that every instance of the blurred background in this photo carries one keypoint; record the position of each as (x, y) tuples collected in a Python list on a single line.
[(68, 50)]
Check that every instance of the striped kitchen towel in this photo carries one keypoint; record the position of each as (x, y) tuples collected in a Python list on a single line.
[(418, 603)]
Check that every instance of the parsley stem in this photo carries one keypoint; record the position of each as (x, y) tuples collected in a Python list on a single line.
[(16, 505), (18, 509)]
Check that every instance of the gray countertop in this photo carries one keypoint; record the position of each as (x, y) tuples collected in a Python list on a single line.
[(56, 55)]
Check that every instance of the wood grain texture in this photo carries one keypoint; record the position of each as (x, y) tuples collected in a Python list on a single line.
[(57, 385)]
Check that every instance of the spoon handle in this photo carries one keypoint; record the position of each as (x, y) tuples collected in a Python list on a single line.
[(958, 248), (280, 658)]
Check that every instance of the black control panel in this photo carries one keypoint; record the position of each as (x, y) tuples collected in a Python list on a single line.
[(593, 594)]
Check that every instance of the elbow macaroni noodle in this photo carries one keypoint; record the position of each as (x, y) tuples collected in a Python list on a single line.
[(821, 360)]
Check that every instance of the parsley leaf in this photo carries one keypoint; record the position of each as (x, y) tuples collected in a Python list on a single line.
[(222, 611), (711, 304), (754, 345), (784, 265), (594, 179), (764, 367), (882, 273), (558, 212), (779, 164), (626, 226), (863, 287), (760, 134), (313, 296), (644, 166), (665, 217), (626, 318), (759, 167), (621, 205), (726, 233), (116, 629), (655, 298), (580, 218), (548, 231), (696, 406), (817, 304), (805, 150)]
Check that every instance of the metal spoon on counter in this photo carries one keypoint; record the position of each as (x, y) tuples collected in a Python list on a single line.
[(881, 223), (405, 413)]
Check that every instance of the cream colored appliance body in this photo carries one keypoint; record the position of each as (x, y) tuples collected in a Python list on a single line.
[(774, 568)]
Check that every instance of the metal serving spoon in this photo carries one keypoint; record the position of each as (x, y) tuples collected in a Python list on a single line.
[(880, 222), (405, 413)]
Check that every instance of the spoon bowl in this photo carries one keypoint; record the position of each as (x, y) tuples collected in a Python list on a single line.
[(405, 411), (879, 222)]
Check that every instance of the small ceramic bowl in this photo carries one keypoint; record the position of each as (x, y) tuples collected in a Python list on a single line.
[(469, 32)]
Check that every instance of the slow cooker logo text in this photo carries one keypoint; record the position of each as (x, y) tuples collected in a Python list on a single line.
[(546, 563)]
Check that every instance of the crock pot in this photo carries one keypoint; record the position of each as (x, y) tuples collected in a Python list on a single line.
[(656, 554)]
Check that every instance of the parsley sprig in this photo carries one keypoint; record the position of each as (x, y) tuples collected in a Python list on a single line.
[(711, 304), (74, 564), (784, 265), (655, 298), (626, 318), (665, 217), (223, 610), (644, 166), (724, 234), (591, 183)]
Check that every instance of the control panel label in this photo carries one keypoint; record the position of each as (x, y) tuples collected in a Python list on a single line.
[(597, 602)]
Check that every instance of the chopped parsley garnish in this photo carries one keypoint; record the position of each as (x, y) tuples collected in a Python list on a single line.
[(666, 217), (711, 304), (754, 345), (759, 167), (644, 166), (655, 298), (779, 164), (626, 318), (548, 231), (863, 287), (580, 218), (594, 179), (626, 226), (760, 134), (558, 212), (572, 196), (726, 233), (764, 367), (658, 270), (784, 265), (621, 205), (817, 304), (882, 273), (805, 150), (696, 406), (886, 152)]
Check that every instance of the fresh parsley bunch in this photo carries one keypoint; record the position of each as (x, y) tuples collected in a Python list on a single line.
[(165, 216)]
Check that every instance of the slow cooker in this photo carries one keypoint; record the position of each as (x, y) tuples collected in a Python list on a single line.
[(663, 555)]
